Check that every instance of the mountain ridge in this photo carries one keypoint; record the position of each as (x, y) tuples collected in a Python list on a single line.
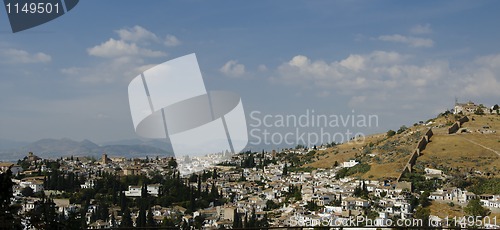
[(53, 148)]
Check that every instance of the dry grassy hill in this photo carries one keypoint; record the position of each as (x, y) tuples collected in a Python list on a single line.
[(477, 148)]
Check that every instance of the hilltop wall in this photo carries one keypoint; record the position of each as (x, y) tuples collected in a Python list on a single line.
[(454, 128), (418, 150), (457, 125), (463, 120), (429, 134), (422, 143)]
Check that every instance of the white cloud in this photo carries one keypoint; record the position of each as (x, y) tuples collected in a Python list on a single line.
[(299, 61), (126, 57), (323, 93), (72, 70), (382, 81), (411, 41), (116, 70), (483, 77), (136, 34), (118, 48), (421, 29), (353, 62), (233, 68), (355, 101), (17, 56), (262, 68), (490, 61), (351, 71), (171, 40)]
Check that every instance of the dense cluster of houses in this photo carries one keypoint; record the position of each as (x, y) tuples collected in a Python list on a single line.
[(334, 199)]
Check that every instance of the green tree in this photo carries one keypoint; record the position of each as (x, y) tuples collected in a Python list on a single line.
[(271, 205), (8, 219), (402, 129), (383, 194), (43, 215), (126, 219), (27, 191), (150, 220), (474, 208), (172, 163), (112, 221), (391, 133), (253, 219), (198, 222), (167, 222), (423, 214), (72, 222), (141, 219), (264, 222), (237, 222), (285, 170), (424, 199), (214, 174), (311, 206)]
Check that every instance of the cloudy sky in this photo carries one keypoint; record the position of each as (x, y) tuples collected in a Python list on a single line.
[(403, 61)]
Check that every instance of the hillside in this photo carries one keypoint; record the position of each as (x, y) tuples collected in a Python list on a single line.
[(475, 148)]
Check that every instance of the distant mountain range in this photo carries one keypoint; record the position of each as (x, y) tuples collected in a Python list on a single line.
[(53, 148)]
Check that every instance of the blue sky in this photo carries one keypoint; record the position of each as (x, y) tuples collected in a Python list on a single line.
[(403, 61)]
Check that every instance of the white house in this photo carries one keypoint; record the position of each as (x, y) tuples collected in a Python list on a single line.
[(153, 190), (433, 171), (134, 191), (492, 203), (350, 163), (29, 204), (36, 186), (465, 108), (88, 184)]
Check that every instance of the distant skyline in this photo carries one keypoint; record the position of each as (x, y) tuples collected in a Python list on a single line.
[(402, 61)]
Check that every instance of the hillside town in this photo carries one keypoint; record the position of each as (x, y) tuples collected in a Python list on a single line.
[(250, 190), (255, 189)]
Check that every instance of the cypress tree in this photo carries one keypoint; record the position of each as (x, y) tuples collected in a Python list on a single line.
[(126, 219), (7, 218), (237, 219), (150, 220)]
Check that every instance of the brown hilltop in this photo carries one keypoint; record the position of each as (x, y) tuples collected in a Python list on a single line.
[(474, 148)]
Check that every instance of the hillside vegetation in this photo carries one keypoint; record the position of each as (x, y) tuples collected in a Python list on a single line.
[(475, 149)]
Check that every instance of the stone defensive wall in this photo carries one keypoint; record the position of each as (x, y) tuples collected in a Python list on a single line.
[(418, 150), (457, 125)]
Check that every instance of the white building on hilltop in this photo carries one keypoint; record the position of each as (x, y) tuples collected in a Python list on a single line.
[(465, 108)]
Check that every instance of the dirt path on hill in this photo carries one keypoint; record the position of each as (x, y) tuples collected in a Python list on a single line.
[(488, 148)]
